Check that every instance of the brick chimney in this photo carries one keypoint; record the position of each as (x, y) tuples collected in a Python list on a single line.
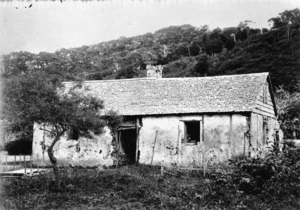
[(154, 71)]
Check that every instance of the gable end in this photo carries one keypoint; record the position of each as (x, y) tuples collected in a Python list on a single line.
[(265, 103)]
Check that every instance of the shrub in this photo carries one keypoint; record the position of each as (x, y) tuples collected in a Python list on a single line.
[(276, 174), (273, 179)]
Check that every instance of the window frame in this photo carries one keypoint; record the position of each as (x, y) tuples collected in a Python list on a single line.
[(184, 139)]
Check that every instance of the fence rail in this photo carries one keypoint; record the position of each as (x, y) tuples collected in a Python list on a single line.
[(16, 162)]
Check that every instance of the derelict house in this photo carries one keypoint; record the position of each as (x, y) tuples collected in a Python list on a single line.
[(176, 120)]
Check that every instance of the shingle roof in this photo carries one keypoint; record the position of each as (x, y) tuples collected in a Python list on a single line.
[(147, 96)]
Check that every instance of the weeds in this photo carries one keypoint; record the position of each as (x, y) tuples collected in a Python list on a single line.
[(272, 182)]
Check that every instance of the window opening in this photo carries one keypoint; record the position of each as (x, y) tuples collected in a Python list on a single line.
[(74, 134), (192, 132)]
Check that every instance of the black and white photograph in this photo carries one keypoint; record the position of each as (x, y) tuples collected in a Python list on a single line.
[(149, 104)]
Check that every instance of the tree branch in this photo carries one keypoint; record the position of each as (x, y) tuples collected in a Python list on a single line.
[(48, 131)]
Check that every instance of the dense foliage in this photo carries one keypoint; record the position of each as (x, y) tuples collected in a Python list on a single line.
[(288, 106), (273, 179), (183, 50)]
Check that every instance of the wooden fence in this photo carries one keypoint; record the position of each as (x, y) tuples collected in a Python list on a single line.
[(15, 162)]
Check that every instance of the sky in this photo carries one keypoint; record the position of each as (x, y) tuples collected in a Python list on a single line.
[(52, 25)]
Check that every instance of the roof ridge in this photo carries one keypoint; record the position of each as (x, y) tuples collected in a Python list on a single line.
[(170, 78)]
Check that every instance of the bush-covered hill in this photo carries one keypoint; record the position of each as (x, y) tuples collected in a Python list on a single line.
[(265, 53), (182, 50)]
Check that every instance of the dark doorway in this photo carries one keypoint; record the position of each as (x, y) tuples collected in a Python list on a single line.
[(128, 142)]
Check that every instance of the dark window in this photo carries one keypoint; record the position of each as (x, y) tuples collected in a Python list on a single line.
[(192, 132), (74, 134)]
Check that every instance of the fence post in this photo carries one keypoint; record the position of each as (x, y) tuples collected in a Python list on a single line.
[(204, 164), (43, 161), (24, 163), (31, 164), (161, 168), (15, 159), (153, 150), (6, 163), (37, 161)]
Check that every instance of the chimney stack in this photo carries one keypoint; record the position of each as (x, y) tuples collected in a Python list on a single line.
[(154, 71)]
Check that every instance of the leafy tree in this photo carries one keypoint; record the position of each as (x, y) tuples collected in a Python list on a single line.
[(38, 98), (229, 44), (127, 72), (253, 31), (214, 46), (241, 34), (215, 34), (202, 66), (16, 63), (288, 105), (286, 20), (229, 31), (264, 30)]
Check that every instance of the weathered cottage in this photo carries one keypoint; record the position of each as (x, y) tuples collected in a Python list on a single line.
[(178, 121)]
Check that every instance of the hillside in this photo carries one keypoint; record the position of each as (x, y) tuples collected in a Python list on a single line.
[(265, 53), (183, 51)]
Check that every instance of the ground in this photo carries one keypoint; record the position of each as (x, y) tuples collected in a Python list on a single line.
[(132, 187)]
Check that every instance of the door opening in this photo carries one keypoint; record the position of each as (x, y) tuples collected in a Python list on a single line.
[(128, 144)]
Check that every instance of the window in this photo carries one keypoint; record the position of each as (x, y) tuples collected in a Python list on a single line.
[(191, 132), (73, 134)]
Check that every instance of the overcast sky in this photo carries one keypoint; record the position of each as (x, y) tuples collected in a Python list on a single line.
[(52, 25)]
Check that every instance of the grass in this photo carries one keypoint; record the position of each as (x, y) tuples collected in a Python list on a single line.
[(132, 187)]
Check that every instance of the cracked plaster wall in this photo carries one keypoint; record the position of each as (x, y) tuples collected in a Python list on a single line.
[(223, 138), (258, 147), (82, 152)]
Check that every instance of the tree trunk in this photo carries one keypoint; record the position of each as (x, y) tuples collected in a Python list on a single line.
[(189, 51), (53, 159)]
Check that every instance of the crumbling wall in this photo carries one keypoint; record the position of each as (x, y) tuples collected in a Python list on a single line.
[(261, 142), (82, 152), (256, 134), (158, 140), (223, 137)]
